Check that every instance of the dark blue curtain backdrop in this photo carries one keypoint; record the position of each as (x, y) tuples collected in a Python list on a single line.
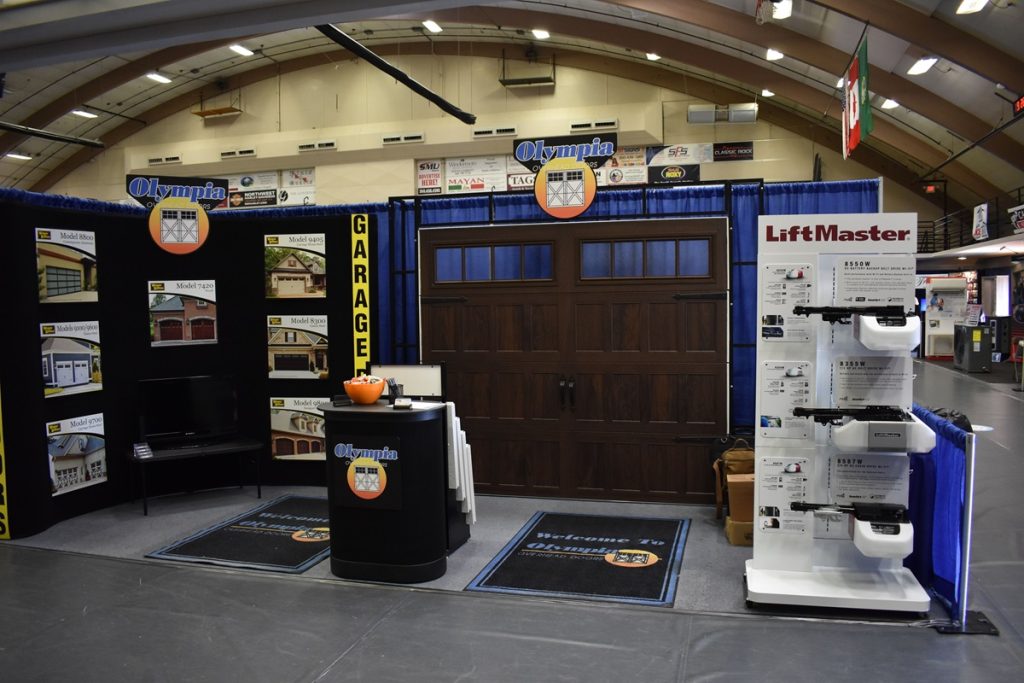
[(936, 509), (743, 204), (842, 196)]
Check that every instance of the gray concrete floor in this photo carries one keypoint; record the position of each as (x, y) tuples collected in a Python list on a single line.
[(78, 603)]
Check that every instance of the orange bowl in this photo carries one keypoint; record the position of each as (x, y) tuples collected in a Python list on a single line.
[(364, 393)]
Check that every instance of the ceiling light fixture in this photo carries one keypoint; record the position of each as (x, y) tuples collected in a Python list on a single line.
[(767, 93), (159, 78), (773, 55), (840, 82), (961, 258), (21, 157), (432, 26), (783, 9), (541, 34), (890, 104), (83, 113), (653, 56), (971, 6), (922, 65), (242, 50)]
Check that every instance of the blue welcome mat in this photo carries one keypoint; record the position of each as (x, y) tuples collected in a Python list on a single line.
[(590, 557), (289, 534)]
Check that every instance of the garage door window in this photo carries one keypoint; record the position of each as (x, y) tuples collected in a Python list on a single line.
[(62, 280), (645, 259), (498, 263)]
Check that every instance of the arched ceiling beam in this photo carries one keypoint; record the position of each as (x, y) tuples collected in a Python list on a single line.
[(54, 109), (809, 51), (735, 69), (638, 71), (936, 36)]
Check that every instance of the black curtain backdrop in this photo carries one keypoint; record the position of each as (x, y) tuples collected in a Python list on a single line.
[(127, 258)]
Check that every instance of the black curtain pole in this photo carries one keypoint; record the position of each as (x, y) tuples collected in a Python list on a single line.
[(48, 135), (350, 44)]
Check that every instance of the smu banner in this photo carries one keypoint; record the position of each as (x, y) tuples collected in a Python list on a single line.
[(857, 121)]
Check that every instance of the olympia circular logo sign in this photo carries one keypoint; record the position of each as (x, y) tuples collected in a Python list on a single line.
[(367, 478), (179, 226), (565, 187)]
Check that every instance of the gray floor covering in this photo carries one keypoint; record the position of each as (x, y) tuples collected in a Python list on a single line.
[(78, 603)]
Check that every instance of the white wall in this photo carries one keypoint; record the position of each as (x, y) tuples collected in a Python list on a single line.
[(355, 104)]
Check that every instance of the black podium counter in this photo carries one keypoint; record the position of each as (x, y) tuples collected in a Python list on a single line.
[(387, 491)]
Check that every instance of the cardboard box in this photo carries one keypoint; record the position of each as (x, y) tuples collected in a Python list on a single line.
[(741, 497), (739, 533)]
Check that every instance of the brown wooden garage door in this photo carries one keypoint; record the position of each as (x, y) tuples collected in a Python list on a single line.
[(170, 330), (203, 328), (585, 360)]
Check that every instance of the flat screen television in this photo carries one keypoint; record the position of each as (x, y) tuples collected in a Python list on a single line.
[(187, 409)]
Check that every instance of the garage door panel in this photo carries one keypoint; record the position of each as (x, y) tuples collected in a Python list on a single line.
[(291, 361)]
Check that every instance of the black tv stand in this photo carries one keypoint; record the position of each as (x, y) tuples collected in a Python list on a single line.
[(185, 450)]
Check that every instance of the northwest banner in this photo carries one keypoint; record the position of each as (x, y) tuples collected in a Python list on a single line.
[(857, 121)]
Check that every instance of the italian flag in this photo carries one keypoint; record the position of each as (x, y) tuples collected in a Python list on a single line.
[(857, 122)]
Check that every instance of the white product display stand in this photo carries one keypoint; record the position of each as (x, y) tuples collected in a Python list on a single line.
[(834, 393)]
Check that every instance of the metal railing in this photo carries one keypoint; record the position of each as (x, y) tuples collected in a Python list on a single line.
[(957, 229)]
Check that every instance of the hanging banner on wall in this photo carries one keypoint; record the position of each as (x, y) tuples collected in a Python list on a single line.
[(674, 155), (1017, 218), (298, 187), (475, 174), (361, 293), (430, 176), (677, 173), (734, 151), (297, 428), (593, 150), (628, 166), (77, 453), (565, 185), (151, 190), (857, 120), (979, 230), (70, 358), (5, 520)]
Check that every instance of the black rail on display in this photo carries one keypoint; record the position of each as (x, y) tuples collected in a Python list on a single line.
[(836, 415), (887, 315)]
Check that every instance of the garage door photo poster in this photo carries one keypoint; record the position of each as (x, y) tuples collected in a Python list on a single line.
[(76, 449), (71, 358), (182, 312), (66, 265), (295, 266), (297, 346)]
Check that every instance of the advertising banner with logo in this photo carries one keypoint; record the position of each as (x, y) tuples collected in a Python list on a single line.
[(151, 190), (676, 173), (734, 151), (674, 155), (1017, 218), (566, 183), (979, 229), (298, 187), (476, 174), (429, 176), (370, 472), (628, 166), (857, 120), (361, 293)]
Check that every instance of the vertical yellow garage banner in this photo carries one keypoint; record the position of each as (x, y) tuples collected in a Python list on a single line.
[(361, 292), (5, 527)]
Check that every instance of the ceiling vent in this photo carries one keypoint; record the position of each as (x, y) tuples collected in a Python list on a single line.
[(402, 138), (237, 153), (500, 131), (595, 124), (162, 161), (229, 154), (738, 112), (247, 152), (318, 146)]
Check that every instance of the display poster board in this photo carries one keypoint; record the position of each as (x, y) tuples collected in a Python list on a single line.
[(76, 451), (297, 346), (182, 312), (295, 266), (71, 358), (66, 265), (297, 428)]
